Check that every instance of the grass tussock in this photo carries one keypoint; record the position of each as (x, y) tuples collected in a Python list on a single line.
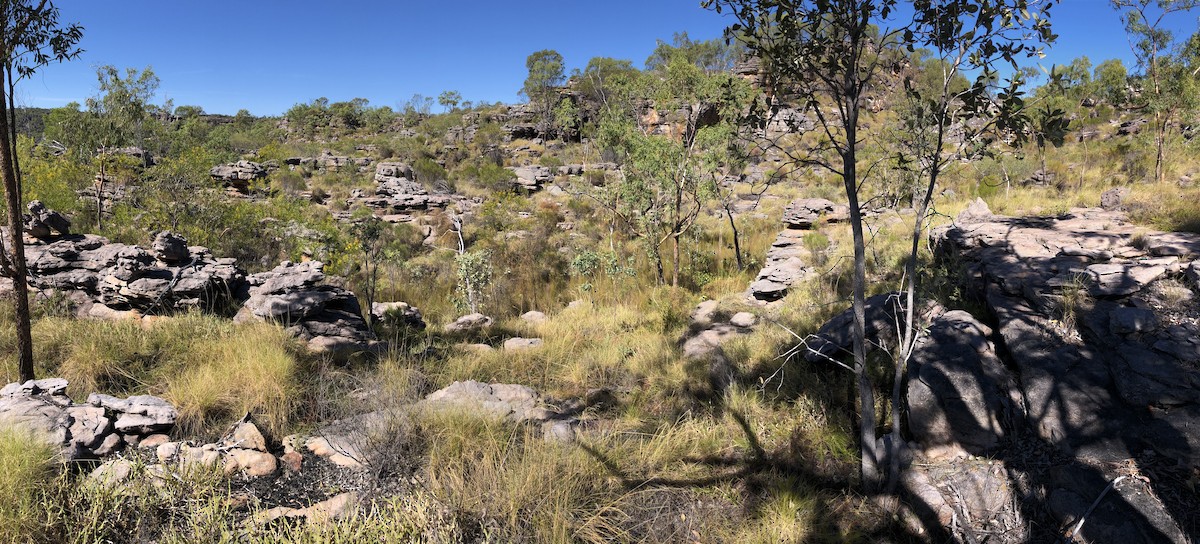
[(26, 469)]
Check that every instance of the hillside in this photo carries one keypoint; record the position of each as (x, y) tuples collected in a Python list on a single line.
[(618, 312)]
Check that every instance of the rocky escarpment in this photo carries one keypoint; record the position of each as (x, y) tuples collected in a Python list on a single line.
[(1081, 393)]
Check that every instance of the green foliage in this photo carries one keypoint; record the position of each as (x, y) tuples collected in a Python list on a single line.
[(545, 76), (474, 270), (427, 170), (712, 56)]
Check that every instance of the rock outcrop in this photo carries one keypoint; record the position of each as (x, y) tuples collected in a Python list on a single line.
[(296, 296), (531, 178), (785, 262), (238, 175), (119, 281), (1090, 375), (103, 277), (102, 426)]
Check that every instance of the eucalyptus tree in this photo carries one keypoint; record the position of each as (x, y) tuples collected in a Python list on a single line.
[(541, 85), (30, 37), (1167, 89)]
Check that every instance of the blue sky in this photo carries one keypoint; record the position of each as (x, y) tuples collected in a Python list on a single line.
[(266, 55)]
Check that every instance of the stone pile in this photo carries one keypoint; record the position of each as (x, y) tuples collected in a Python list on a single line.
[(101, 426)]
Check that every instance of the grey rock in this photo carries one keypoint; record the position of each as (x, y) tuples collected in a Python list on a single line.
[(469, 322), (518, 344), (1112, 198), (1131, 320), (803, 213), (170, 247)]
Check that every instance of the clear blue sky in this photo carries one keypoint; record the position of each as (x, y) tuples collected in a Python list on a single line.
[(266, 55)]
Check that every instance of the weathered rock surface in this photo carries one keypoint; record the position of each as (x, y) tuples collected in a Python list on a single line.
[(118, 281), (803, 213), (82, 431), (785, 263), (1127, 376), (170, 278), (238, 175), (531, 178), (516, 403), (1099, 370), (41, 222), (469, 323), (296, 296), (397, 314)]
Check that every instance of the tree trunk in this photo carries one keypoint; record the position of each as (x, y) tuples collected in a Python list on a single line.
[(1160, 142), (866, 390), (737, 247), (20, 294), (675, 259)]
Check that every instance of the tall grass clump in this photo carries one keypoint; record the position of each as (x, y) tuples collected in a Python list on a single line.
[(26, 469), (248, 370)]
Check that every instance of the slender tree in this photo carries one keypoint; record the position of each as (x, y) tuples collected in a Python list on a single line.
[(1152, 45), (946, 119), (30, 38), (826, 54)]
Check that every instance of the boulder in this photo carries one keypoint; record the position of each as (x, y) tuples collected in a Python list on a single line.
[(469, 323), (170, 248), (238, 175), (1112, 198), (397, 314), (515, 403), (531, 178), (519, 344), (803, 213), (533, 316)]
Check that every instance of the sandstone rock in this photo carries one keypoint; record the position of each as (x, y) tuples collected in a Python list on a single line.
[(803, 213), (1111, 199), (387, 171), (238, 175), (518, 344), (743, 320), (531, 178), (958, 389), (513, 402), (253, 463), (533, 316), (246, 435), (976, 212), (111, 473), (334, 508), (785, 265), (170, 248), (1131, 320), (154, 441), (339, 452), (397, 314), (469, 323), (45, 221)]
